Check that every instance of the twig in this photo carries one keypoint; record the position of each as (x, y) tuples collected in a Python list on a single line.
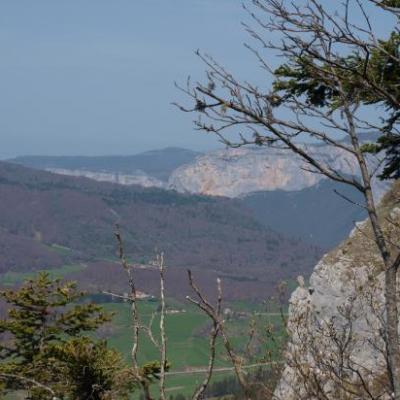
[(134, 310), (32, 381), (198, 394), (163, 349), (148, 329), (142, 380), (215, 315), (223, 369)]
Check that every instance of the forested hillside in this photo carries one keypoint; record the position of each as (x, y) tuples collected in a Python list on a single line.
[(323, 214), (54, 220), (157, 163)]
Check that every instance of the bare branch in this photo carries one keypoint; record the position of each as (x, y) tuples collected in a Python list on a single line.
[(163, 349), (31, 381), (215, 314)]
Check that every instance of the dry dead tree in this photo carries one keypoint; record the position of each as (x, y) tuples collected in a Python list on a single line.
[(314, 41), (218, 330), (215, 315), (144, 375), (133, 300), (163, 345)]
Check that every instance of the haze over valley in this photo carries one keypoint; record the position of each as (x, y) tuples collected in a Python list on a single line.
[(198, 208), (200, 200), (269, 183)]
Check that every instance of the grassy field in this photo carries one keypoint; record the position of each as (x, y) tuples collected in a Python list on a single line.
[(12, 278), (187, 334)]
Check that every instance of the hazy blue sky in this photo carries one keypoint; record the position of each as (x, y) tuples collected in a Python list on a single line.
[(97, 76)]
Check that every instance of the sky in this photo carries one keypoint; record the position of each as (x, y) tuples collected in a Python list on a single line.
[(97, 77), (94, 77)]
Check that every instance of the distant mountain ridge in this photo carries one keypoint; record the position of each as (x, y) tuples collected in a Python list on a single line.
[(156, 163), (227, 172), (318, 214), (51, 220), (269, 182), (137, 177)]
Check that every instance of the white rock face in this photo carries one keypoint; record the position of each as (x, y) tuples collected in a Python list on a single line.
[(235, 172), (137, 178), (341, 314)]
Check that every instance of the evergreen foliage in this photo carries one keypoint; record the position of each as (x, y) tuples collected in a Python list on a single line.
[(91, 370), (308, 77), (43, 342)]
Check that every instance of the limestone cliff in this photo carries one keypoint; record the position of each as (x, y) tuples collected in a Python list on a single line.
[(136, 178), (228, 172), (236, 172), (335, 324)]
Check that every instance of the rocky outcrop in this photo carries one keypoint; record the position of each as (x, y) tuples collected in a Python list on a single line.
[(228, 172), (156, 163), (136, 178), (335, 325), (236, 172)]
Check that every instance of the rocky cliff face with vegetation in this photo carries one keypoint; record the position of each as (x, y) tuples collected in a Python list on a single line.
[(136, 178), (227, 172), (237, 172), (335, 324)]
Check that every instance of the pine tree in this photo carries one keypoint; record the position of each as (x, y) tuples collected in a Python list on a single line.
[(44, 342)]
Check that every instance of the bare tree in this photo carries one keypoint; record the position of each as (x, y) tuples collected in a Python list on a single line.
[(237, 360), (320, 93), (144, 375), (163, 346), (215, 314)]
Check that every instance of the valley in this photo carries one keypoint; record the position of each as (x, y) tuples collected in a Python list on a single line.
[(61, 221), (56, 220), (200, 200), (64, 226), (272, 186), (188, 342)]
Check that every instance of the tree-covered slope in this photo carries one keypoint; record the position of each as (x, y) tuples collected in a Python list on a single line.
[(194, 231), (156, 163), (319, 214)]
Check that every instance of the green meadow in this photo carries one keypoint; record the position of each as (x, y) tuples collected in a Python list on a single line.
[(188, 340), (11, 278), (187, 331)]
